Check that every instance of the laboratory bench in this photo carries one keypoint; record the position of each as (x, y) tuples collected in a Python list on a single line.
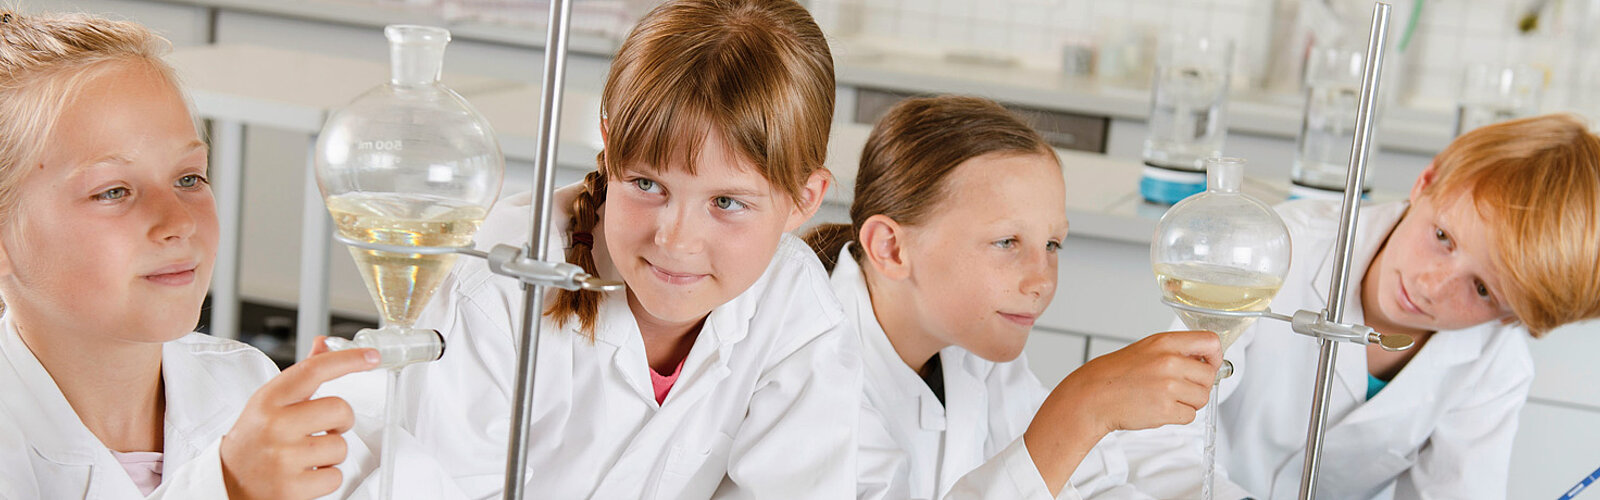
[(1106, 297)]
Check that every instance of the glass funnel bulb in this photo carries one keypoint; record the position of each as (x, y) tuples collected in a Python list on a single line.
[(410, 164), (1221, 250)]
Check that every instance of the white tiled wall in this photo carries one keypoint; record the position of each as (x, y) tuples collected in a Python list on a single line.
[(1448, 34)]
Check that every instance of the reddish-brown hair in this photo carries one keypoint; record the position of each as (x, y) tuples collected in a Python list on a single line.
[(1536, 182), (756, 72), (909, 157)]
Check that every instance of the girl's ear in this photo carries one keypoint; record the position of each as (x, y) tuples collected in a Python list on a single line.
[(810, 199), (5, 258), (883, 241)]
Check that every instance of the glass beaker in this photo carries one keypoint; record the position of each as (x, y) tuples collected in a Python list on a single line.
[(1496, 93), (1328, 122), (1221, 250), (1188, 108)]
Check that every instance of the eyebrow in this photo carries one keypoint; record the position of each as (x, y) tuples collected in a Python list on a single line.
[(119, 158)]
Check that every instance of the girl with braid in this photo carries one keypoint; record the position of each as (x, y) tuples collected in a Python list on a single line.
[(726, 368)]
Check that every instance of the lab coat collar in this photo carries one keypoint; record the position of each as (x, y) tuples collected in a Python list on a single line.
[(880, 360), (1372, 229), (46, 418), (188, 425), (1445, 348), (58, 435)]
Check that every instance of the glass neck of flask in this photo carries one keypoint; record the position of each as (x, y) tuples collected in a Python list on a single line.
[(1224, 175), (416, 54)]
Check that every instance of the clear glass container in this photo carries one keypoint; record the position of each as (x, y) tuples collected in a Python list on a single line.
[(1188, 114), (1222, 250), (1493, 94), (1188, 101), (1328, 122), (408, 163)]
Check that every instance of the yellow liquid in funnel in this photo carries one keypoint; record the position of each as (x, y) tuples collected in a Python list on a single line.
[(1216, 287), (401, 284)]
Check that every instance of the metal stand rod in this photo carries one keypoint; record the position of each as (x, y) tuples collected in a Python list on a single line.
[(227, 181), (316, 240), (555, 69), (1347, 233)]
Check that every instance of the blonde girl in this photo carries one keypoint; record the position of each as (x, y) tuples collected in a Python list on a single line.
[(107, 237)]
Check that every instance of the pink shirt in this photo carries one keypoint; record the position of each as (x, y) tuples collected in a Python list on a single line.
[(143, 466), (663, 383)]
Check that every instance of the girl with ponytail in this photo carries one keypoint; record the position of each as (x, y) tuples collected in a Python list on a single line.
[(725, 369), (958, 217)]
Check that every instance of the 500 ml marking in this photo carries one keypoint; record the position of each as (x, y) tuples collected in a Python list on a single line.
[(394, 145)]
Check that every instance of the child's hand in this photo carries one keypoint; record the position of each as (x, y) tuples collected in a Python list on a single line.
[(274, 449), (1162, 379)]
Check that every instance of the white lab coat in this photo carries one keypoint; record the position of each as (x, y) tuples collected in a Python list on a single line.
[(47, 452), (1442, 428), (914, 447), (764, 407)]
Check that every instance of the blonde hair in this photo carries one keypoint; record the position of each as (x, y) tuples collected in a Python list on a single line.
[(910, 155), (756, 72), (1536, 182), (45, 61)]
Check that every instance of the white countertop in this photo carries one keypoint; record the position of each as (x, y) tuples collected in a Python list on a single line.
[(1406, 130), (288, 89)]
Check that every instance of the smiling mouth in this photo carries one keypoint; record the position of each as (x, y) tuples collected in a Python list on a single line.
[(1020, 319), (176, 278), (1405, 299), (674, 278)]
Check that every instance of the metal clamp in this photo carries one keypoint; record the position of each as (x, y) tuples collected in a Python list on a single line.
[(507, 260), (1315, 325), (1311, 323), (513, 261)]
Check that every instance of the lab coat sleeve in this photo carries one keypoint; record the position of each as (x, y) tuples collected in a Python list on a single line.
[(1169, 462), (1468, 455), (798, 439), (200, 477), (1009, 474)]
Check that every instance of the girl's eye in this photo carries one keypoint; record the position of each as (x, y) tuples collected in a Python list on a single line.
[(115, 193), (191, 181), (1483, 291), (1007, 243), (1438, 234), (645, 185), (1053, 247), (726, 203)]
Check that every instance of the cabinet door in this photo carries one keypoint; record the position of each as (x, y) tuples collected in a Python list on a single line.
[(1556, 447), (1052, 355)]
